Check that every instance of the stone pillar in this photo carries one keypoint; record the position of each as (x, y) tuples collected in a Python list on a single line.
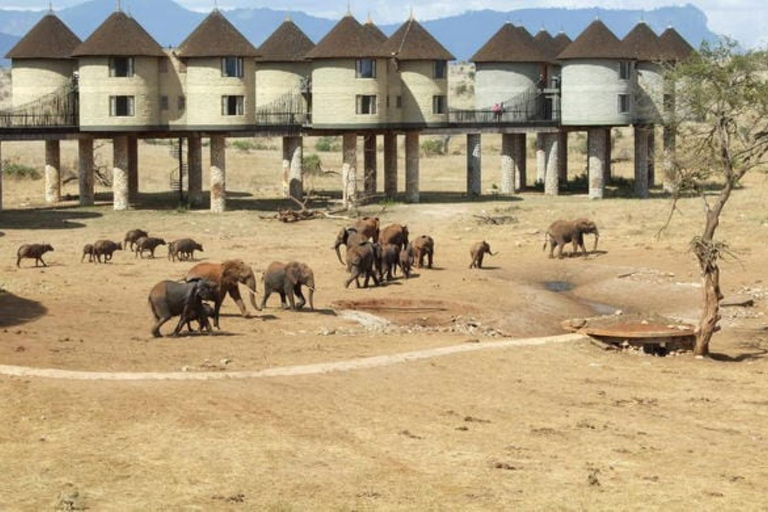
[(474, 165), (507, 163), (370, 169), (194, 170), (562, 156), (52, 171), (390, 165), (1, 177), (120, 173), (651, 156), (669, 160), (133, 167), (552, 176), (541, 157), (412, 167), (521, 161), (641, 161), (596, 142), (295, 168), (349, 169), (218, 173), (607, 167), (85, 170)]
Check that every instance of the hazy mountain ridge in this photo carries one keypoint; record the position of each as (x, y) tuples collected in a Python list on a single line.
[(169, 23)]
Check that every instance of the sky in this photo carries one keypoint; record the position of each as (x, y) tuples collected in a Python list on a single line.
[(744, 20)]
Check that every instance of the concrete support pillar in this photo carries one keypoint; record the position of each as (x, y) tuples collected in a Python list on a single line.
[(52, 171), (194, 170), (390, 165), (349, 169), (120, 173), (412, 167), (552, 176), (651, 156), (370, 169), (607, 167), (669, 160), (133, 167), (521, 161), (293, 174), (641, 161), (562, 156), (541, 157), (474, 165), (507, 163), (1, 178), (218, 173), (596, 141), (85, 170)]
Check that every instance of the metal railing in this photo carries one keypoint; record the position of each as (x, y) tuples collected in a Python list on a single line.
[(57, 109), (290, 109), (534, 106)]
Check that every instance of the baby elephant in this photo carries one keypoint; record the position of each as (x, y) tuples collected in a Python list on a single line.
[(390, 259), (183, 249), (105, 248), (87, 251), (406, 260), (148, 243), (423, 245), (562, 232), (286, 279), (478, 252), (202, 322), (170, 298), (35, 251), (132, 236)]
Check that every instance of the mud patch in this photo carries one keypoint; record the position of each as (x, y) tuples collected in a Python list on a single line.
[(425, 313)]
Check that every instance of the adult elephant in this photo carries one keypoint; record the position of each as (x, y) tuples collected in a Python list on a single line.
[(227, 275), (562, 232), (368, 227), (348, 237), (287, 279), (362, 259), (394, 234)]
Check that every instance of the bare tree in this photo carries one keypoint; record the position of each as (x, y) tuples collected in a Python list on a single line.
[(721, 120)]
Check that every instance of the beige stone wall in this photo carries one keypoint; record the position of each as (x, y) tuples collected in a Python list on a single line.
[(394, 89), (205, 88), (334, 88), (419, 87), (274, 79), (500, 82), (173, 84), (96, 87), (34, 78), (590, 93), (649, 100)]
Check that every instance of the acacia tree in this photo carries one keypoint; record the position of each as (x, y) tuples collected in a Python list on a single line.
[(721, 124)]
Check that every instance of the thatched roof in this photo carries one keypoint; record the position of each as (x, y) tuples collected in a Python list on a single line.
[(412, 42), (348, 39), (642, 43), (596, 42), (510, 44), (375, 31), (286, 44), (546, 43), (561, 42), (50, 38), (673, 47), (216, 37), (119, 35)]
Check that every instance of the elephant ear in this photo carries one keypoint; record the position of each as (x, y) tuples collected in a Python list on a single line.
[(293, 273)]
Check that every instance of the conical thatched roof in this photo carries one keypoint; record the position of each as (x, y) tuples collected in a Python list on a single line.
[(119, 35), (412, 42), (596, 42), (375, 31), (50, 38), (510, 44), (673, 47), (348, 39), (216, 37), (546, 43), (561, 42), (286, 44), (642, 43)]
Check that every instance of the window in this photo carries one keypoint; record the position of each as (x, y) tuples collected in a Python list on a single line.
[(163, 102), (625, 70), (366, 104), (439, 104), (232, 105), (440, 68), (181, 103), (121, 67), (365, 68), (121, 106), (232, 67), (624, 106), (399, 102)]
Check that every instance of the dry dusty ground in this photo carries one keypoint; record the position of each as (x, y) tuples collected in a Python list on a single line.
[(559, 426)]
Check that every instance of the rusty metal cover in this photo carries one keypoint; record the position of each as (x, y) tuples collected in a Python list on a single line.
[(630, 330)]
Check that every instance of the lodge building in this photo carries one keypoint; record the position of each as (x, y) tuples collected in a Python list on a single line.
[(121, 84)]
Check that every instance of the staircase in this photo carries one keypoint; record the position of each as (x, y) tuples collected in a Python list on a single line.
[(286, 110), (180, 174), (59, 108)]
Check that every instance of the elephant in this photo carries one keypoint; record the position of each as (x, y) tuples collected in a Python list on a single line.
[(361, 261), (478, 252), (348, 237), (147, 243), (395, 234), (132, 236), (423, 245), (183, 249), (105, 248), (562, 232), (287, 279), (33, 251), (368, 227), (171, 298), (87, 251), (227, 275), (390, 259), (202, 321), (406, 261)]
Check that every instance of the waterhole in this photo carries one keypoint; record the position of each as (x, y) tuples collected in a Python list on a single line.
[(565, 286), (558, 286)]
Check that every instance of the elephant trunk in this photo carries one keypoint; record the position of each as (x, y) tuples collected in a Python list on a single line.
[(311, 298), (597, 237), (338, 254), (250, 282)]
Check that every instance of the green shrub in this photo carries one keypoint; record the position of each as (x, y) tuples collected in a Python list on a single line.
[(311, 164), (325, 144), (431, 147), (14, 169)]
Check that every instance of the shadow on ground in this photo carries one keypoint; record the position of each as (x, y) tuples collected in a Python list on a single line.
[(16, 310), (67, 217)]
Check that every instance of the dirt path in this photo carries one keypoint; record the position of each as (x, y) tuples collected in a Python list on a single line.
[(286, 371)]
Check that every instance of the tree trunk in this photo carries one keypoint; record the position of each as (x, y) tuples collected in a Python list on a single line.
[(710, 314)]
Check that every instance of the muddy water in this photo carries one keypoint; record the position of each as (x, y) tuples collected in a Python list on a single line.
[(564, 286)]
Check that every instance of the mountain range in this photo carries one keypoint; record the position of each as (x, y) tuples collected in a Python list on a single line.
[(170, 23)]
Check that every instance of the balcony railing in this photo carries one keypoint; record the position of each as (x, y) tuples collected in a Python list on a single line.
[(57, 109)]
